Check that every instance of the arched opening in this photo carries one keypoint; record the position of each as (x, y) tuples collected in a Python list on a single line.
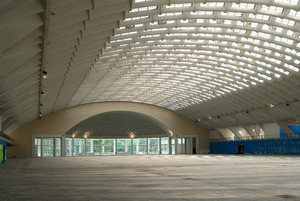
[(118, 133), (115, 133)]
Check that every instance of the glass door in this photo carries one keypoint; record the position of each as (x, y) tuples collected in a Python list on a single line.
[(188, 145), (164, 146)]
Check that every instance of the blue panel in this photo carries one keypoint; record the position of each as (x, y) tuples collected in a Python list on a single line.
[(282, 133), (268, 146), (294, 128)]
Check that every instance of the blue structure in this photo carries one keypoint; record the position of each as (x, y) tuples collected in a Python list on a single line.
[(287, 146), (294, 128)]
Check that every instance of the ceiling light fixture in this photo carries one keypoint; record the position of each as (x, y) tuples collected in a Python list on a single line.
[(44, 74), (131, 135)]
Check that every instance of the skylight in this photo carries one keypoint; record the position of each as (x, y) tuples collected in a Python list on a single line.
[(199, 51)]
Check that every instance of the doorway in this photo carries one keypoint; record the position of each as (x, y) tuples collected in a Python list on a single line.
[(240, 149)]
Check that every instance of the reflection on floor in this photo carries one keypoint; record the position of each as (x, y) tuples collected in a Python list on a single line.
[(156, 177)]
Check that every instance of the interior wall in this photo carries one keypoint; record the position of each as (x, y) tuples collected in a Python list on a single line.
[(289, 146), (61, 121)]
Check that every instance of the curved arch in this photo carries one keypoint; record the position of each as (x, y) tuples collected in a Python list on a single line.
[(60, 122), (119, 124)]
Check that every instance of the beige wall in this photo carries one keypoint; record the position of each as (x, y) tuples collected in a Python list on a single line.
[(61, 121)]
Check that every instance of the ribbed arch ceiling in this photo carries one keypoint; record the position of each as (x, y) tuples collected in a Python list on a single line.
[(177, 54), (199, 58), (119, 124)]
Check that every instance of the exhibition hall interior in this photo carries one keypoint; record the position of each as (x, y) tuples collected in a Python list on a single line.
[(164, 80)]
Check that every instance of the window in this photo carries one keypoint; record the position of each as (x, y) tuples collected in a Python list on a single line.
[(38, 147), (164, 145), (153, 146), (68, 146), (79, 147), (120, 145), (140, 146), (48, 147), (58, 146), (92, 147), (173, 145), (108, 147)]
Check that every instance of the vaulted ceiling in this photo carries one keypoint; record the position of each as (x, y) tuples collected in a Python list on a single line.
[(224, 63)]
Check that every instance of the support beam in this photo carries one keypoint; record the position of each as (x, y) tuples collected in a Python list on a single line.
[(284, 125), (47, 7)]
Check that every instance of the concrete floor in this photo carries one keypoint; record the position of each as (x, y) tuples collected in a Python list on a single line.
[(165, 177)]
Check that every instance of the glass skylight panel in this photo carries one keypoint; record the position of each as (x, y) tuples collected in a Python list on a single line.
[(136, 18), (272, 9), (264, 76), (288, 57), (230, 88), (254, 25), (202, 13), (285, 21), (283, 40), (273, 60), (265, 27), (289, 2), (288, 50), (294, 13), (204, 55), (278, 29), (291, 67), (170, 14), (243, 5), (290, 33), (212, 4), (259, 16), (179, 5)]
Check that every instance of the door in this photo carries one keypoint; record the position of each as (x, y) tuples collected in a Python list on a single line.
[(240, 149), (188, 145), (194, 145)]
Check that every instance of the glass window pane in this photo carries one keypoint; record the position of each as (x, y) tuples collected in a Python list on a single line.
[(173, 145), (58, 146), (140, 146), (68, 146), (153, 145), (128, 146), (48, 148), (108, 146), (164, 149), (96, 144), (38, 147), (79, 147)]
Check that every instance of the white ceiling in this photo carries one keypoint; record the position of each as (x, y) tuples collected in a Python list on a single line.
[(222, 62)]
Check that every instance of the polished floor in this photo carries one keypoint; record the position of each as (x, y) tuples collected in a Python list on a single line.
[(159, 177)]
